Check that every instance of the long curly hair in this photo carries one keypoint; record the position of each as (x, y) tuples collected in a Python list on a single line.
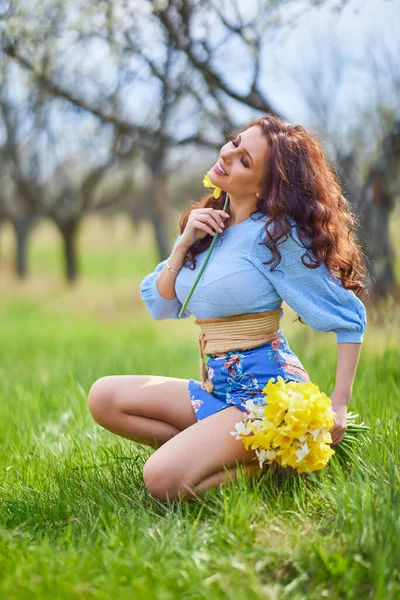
[(300, 183)]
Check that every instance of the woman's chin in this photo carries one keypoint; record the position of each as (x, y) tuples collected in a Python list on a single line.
[(215, 178)]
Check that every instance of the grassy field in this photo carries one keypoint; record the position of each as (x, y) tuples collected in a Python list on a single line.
[(76, 520)]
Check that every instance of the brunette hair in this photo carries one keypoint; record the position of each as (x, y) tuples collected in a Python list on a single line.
[(301, 184)]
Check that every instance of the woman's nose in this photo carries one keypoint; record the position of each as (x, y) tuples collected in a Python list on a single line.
[(227, 154)]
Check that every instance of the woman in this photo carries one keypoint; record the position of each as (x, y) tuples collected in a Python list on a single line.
[(286, 208)]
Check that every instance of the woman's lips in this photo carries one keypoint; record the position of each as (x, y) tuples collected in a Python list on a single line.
[(218, 170)]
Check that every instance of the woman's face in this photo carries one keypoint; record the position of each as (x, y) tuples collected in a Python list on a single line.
[(241, 165)]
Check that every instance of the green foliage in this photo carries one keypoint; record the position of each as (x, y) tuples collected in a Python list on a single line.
[(77, 521)]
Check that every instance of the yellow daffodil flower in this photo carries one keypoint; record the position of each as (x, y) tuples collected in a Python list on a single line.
[(208, 184)]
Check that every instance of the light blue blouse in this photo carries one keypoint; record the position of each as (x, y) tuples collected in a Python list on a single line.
[(236, 281)]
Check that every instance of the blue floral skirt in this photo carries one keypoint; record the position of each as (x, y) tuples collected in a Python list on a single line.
[(241, 375)]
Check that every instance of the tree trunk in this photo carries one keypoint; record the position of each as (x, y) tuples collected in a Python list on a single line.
[(69, 233), (378, 205), (22, 228), (374, 202)]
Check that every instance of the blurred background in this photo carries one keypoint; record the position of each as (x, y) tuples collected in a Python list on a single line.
[(111, 112)]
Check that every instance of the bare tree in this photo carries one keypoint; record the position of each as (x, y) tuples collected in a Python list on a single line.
[(376, 202), (191, 104), (374, 147), (364, 140), (21, 192), (185, 54), (71, 196)]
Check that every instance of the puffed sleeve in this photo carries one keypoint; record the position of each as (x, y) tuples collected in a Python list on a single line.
[(314, 294), (159, 307)]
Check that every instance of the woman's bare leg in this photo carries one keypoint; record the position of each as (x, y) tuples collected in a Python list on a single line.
[(148, 409), (221, 477), (152, 410), (195, 459)]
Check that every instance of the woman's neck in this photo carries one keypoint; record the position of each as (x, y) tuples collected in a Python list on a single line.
[(239, 211)]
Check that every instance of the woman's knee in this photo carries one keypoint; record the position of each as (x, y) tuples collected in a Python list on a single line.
[(101, 399), (162, 481)]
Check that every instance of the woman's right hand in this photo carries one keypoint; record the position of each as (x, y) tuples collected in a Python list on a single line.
[(202, 221)]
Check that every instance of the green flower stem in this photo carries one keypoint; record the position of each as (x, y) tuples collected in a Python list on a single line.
[(204, 264)]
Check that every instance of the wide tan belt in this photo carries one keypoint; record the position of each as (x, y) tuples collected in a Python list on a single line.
[(239, 332)]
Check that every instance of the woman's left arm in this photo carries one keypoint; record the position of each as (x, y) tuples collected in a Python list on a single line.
[(325, 305), (347, 361)]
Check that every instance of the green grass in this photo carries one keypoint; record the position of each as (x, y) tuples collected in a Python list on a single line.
[(76, 520)]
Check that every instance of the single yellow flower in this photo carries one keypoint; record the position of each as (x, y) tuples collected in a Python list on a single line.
[(294, 429), (209, 184), (282, 441)]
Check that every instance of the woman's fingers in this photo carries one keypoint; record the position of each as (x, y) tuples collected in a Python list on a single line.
[(208, 219), (337, 433), (203, 226), (216, 215), (209, 209)]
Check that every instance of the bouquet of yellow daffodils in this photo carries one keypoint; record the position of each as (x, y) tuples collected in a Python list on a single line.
[(292, 429)]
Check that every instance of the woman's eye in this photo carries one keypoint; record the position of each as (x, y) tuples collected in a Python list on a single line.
[(241, 160)]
